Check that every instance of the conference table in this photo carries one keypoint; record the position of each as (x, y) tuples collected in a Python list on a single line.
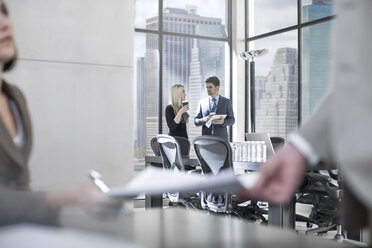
[(193, 162), (278, 215), (158, 228)]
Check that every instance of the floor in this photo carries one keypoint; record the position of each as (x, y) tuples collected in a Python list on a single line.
[(139, 205)]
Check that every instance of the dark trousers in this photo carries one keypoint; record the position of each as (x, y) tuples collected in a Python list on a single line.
[(356, 215)]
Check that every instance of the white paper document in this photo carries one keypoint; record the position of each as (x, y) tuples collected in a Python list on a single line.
[(157, 181), (214, 117)]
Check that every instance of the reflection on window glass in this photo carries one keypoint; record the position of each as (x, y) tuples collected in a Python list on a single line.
[(190, 62), (146, 94), (316, 63), (269, 15), (195, 17), (276, 84), (316, 9), (146, 14)]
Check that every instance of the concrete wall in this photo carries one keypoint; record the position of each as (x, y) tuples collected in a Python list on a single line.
[(75, 66)]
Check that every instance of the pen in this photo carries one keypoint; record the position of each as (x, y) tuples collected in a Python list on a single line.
[(96, 177), (97, 180)]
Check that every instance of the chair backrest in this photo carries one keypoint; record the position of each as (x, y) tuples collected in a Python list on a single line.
[(170, 152), (155, 146), (184, 145), (261, 137), (278, 142), (214, 154)]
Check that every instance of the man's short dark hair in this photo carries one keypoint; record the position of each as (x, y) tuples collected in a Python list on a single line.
[(214, 80)]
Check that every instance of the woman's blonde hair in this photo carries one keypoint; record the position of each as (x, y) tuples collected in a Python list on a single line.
[(176, 92)]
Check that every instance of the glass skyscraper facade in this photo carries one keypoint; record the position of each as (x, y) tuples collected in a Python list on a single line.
[(277, 111), (316, 56), (277, 98)]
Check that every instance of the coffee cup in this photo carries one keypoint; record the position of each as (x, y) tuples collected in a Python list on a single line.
[(184, 103)]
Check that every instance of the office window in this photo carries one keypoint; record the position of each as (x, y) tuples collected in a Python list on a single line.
[(190, 62), (316, 9), (269, 15), (146, 14), (276, 84), (293, 77), (184, 44), (207, 12), (316, 65), (146, 94)]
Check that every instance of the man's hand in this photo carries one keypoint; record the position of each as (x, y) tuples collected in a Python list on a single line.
[(206, 119), (219, 121), (279, 177)]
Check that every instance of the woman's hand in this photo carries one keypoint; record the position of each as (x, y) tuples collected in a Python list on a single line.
[(184, 109), (86, 196), (177, 118)]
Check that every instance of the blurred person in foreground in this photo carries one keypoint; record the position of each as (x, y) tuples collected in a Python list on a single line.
[(17, 202), (339, 134)]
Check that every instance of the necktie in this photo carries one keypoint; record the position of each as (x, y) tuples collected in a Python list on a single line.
[(214, 105)]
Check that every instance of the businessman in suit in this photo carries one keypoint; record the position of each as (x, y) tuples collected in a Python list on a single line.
[(217, 104), (340, 132)]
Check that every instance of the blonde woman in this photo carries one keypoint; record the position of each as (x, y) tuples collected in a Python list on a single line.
[(176, 114)]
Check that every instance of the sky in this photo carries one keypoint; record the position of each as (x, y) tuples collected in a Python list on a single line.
[(145, 8), (269, 15), (265, 16)]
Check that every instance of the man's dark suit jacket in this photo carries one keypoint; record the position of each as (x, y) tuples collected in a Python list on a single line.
[(224, 107)]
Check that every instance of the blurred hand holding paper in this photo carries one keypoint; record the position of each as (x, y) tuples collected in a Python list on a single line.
[(214, 117), (157, 181)]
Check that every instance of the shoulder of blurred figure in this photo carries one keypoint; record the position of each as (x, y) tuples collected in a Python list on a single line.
[(14, 91)]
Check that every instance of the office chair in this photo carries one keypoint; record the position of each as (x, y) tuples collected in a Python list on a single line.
[(155, 146), (215, 156), (324, 194), (184, 145), (277, 142), (172, 160)]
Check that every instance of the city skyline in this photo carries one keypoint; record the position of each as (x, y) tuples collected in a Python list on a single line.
[(185, 61), (180, 54), (316, 61)]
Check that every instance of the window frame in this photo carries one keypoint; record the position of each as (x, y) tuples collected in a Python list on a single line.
[(161, 34), (250, 104)]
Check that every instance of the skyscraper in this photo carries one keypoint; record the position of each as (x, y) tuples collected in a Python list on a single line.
[(260, 82), (277, 112), (316, 56)]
